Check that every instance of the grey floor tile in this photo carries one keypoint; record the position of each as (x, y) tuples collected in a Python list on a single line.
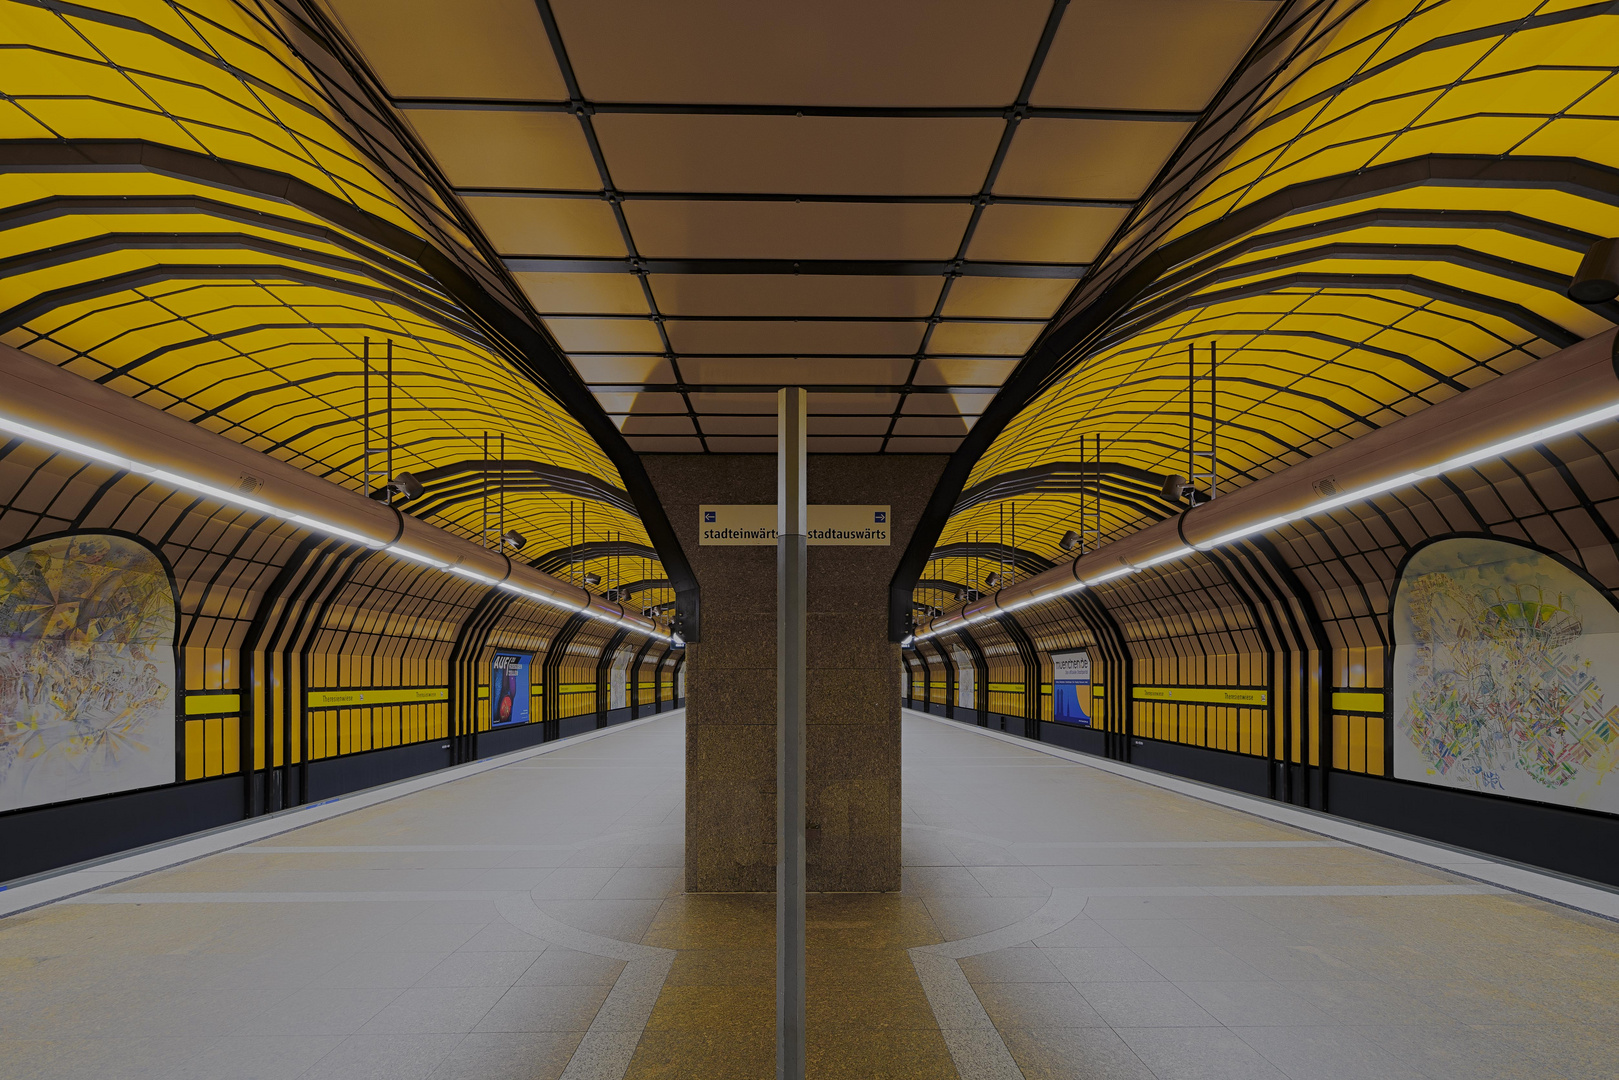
[(1153, 932), (257, 1057), (1073, 1054), (319, 1011), (1011, 965), (573, 882), (1011, 881), (1036, 1005), (1081, 932), (1196, 963), (544, 1008), (643, 883), (479, 969), (565, 967), (1457, 1053), (384, 1057), (933, 881), (379, 970), (1325, 1053), (1145, 1004), (1250, 1003), (509, 1056), (1115, 964), (1198, 1054), (425, 1010)]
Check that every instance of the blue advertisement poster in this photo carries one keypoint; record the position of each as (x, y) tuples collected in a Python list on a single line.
[(1071, 688), (508, 689)]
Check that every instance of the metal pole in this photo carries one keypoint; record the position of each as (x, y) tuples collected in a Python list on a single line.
[(390, 468), (791, 661)]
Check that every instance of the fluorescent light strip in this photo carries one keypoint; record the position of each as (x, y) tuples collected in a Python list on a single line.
[(234, 498)]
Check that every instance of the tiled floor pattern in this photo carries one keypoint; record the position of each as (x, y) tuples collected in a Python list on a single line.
[(1056, 921), (1205, 943)]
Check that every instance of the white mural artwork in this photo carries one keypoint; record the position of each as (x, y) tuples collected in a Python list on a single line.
[(1503, 661), (87, 681)]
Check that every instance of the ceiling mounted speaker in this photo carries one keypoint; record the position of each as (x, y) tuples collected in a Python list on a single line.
[(407, 485), (1069, 541), (515, 540), (1174, 488), (593, 579), (1597, 279)]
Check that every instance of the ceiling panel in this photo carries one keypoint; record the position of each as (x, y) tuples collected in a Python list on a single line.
[(563, 227), (488, 49), (983, 338), (658, 425), (794, 338), (1007, 298), (922, 446), (622, 370), (796, 294), (734, 403), (931, 425), (1087, 159), (853, 403), (1019, 232), (820, 371), (946, 404), (654, 444), (811, 155), (1185, 50), (585, 294), (802, 230), (739, 425), (835, 52), (741, 445), (843, 445), (480, 148), (848, 425), (642, 403), (964, 372), (605, 335)]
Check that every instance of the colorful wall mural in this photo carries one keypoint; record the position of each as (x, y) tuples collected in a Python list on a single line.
[(1504, 659), (87, 670)]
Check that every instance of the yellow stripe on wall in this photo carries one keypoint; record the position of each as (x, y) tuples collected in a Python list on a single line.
[(1204, 695), (1357, 702), (350, 699), (212, 704)]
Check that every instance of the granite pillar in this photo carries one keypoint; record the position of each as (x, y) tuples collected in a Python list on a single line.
[(853, 760)]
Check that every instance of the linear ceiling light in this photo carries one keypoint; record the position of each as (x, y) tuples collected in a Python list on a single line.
[(180, 482)]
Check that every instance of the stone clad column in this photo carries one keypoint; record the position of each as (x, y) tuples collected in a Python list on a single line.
[(853, 763)]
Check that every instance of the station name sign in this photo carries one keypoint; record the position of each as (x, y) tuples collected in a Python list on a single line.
[(754, 525)]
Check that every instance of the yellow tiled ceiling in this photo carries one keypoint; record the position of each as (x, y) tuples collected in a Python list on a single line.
[(1087, 159), (507, 148), (1185, 50), (837, 52), (490, 49), (811, 155)]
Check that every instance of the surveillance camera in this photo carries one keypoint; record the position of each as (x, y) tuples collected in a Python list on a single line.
[(1069, 541), (407, 485), (515, 540)]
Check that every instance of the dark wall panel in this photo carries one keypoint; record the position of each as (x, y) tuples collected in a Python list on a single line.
[(330, 777)]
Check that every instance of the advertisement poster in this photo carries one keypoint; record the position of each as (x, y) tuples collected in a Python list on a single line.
[(508, 689), (1071, 688)]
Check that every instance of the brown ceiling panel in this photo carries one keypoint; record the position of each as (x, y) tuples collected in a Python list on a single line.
[(746, 445), (811, 155), (819, 371), (653, 444), (739, 425), (833, 52), (493, 148), (622, 370), (758, 404), (923, 446), (1012, 232), (1186, 50), (946, 404), (1006, 298), (853, 403), (584, 294), (641, 403), (983, 338), (439, 48), (1087, 159), (794, 338), (658, 425), (797, 230), (605, 335), (824, 445), (953, 426), (796, 294), (848, 425), (571, 227), (964, 372)]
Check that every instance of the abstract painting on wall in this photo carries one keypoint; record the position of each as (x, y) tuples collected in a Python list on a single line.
[(87, 682), (1503, 661)]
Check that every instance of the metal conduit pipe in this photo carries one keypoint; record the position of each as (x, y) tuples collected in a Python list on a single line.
[(1566, 391), (45, 404)]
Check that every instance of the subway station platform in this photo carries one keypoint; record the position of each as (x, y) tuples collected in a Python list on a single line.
[(525, 918)]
